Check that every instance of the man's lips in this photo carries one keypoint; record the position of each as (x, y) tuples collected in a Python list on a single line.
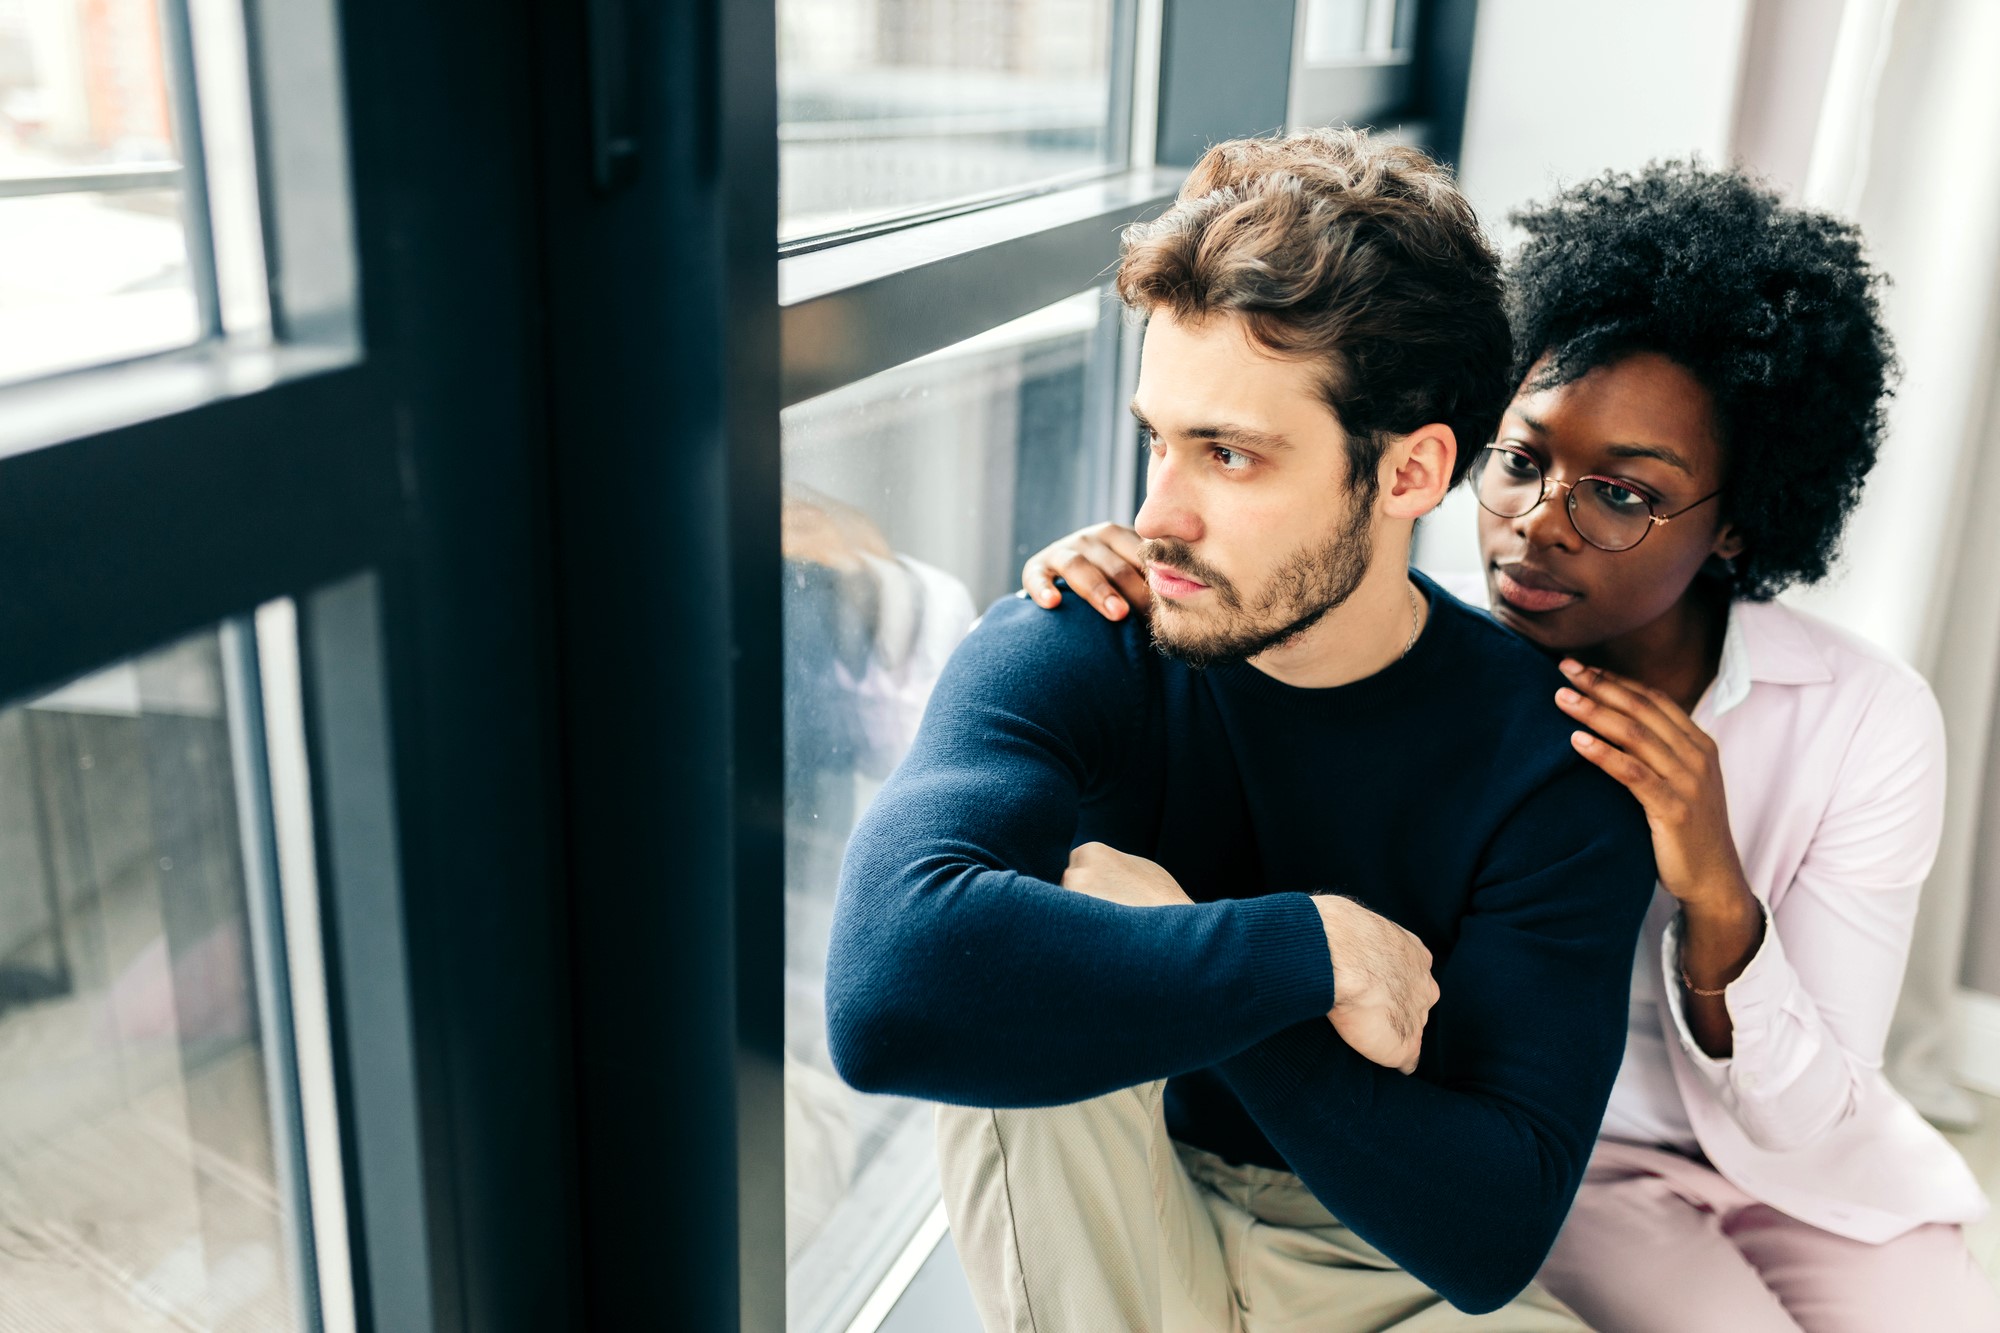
[(1168, 582), (1530, 590)]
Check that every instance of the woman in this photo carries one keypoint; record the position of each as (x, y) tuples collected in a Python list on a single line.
[(1701, 375)]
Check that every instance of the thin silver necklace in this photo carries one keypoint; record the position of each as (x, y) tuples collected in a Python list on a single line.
[(1416, 620)]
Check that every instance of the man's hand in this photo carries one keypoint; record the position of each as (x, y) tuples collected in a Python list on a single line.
[(1104, 872), (1382, 986)]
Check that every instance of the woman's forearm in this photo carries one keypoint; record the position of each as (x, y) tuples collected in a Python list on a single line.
[(1719, 937)]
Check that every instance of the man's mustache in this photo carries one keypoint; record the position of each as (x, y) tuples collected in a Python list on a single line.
[(1178, 554)]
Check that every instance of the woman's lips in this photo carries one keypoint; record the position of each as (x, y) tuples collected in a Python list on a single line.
[(1169, 584), (1527, 591)]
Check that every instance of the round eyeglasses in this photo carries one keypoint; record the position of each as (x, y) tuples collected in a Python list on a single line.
[(1604, 511)]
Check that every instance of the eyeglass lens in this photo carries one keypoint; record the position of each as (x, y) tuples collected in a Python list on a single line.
[(1608, 516)]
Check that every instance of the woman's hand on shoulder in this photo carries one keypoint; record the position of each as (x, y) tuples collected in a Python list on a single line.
[(1101, 564)]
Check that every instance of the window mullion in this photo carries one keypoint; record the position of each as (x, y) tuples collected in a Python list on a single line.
[(177, 43)]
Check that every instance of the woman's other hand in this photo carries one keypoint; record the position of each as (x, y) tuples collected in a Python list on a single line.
[(1101, 564)]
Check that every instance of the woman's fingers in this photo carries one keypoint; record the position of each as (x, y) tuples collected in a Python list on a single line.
[(1641, 701), (1127, 543), (1085, 578), (1038, 578), (1621, 729), (1123, 570), (1637, 778), (1094, 570)]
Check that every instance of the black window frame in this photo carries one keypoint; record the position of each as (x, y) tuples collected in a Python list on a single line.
[(522, 484)]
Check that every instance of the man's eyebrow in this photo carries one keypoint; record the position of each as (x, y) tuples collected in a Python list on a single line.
[(1224, 433)]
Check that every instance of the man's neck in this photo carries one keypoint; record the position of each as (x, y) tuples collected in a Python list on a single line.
[(1363, 635)]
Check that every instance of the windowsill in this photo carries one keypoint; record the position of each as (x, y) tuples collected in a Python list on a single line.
[(77, 403), (925, 1291), (853, 310)]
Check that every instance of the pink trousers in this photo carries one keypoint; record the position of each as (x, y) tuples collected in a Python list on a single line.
[(1661, 1244)]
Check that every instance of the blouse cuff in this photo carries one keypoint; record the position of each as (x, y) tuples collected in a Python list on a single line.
[(1751, 999)]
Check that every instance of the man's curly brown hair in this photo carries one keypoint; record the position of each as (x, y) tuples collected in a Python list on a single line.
[(1351, 251), (1772, 307)]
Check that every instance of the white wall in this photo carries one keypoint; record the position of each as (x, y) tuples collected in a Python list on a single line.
[(1562, 90)]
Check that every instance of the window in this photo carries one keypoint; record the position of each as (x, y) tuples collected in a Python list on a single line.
[(894, 107), (154, 1153), (1355, 61), (132, 214), (954, 178), (1352, 30), (93, 196), (911, 500), (955, 374)]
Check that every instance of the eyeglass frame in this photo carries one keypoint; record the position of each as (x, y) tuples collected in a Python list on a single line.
[(1653, 520)]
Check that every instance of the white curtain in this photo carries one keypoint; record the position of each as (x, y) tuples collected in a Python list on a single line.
[(1905, 144)]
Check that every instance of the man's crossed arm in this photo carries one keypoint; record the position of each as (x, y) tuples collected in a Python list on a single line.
[(962, 970), (1383, 989)]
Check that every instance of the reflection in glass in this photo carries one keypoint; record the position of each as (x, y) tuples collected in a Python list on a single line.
[(88, 277), (889, 107), (141, 1185), (911, 500)]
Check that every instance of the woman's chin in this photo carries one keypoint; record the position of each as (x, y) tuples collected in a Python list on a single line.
[(1536, 630)]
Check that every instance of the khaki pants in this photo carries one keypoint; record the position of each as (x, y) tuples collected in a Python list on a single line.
[(1089, 1218)]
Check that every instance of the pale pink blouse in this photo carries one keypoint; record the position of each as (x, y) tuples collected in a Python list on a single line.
[(1833, 757)]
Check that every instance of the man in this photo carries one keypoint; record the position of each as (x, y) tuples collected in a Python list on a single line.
[(1189, 1081)]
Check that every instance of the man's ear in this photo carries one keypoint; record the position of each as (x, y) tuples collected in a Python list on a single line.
[(1416, 470)]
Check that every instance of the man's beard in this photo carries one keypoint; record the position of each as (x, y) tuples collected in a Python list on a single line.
[(1310, 583)]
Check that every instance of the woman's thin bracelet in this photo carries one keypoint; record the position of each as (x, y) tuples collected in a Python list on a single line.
[(1696, 990)]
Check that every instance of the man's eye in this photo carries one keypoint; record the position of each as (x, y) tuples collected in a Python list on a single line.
[(1231, 460)]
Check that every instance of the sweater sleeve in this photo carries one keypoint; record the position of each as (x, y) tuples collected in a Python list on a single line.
[(961, 971), (1463, 1173)]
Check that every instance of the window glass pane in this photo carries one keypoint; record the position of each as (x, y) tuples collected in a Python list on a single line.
[(911, 500), (1336, 30), (89, 278), (94, 276), (140, 1148), (890, 107)]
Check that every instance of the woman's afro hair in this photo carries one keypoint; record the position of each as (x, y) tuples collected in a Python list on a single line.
[(1772, 307)]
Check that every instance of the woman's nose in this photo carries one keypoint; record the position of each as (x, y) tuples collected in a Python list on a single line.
[(1547, 524)]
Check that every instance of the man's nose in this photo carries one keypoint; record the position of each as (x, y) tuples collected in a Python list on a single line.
[(1168, 511)]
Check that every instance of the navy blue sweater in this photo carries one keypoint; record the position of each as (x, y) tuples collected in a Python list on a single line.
[(1441, 792)]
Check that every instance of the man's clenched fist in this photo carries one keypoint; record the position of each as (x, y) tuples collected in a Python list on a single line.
[(1382, 986)]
